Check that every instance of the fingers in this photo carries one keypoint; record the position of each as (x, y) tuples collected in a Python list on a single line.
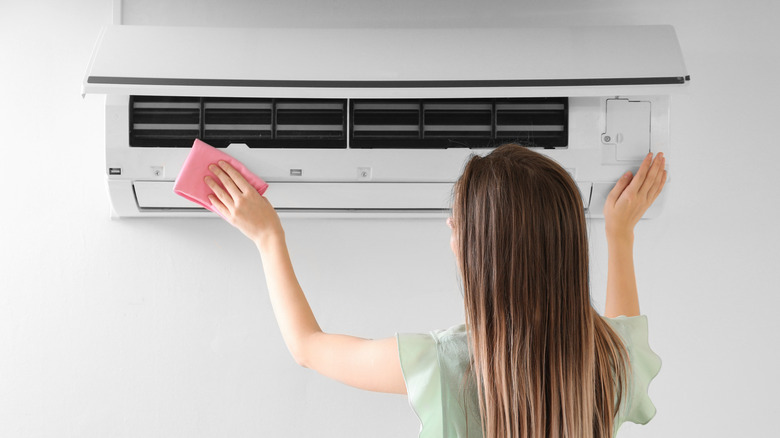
[(648, 179), (653, 179), (639, 178), (219, 206), (221, 195), (236, 176), (226, 180), (660, 186), (621, 185)]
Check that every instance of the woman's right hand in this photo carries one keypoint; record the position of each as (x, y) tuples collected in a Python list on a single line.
[(241, 205), (633, 195)]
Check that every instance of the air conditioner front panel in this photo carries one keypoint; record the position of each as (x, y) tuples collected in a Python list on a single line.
[(371, 63)]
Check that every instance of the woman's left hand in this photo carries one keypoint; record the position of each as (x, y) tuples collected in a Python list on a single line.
[(628, 201), (241, 205)]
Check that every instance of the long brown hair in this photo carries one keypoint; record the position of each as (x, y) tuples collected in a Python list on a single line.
[(545, 363)]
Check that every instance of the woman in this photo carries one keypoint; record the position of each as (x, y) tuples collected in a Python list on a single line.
[(533, 359)]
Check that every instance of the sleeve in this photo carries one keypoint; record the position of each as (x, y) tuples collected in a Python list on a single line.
[(645, 365), (420, 366)]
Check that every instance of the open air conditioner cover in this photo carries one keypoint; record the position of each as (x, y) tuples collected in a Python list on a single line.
[(377, 62)]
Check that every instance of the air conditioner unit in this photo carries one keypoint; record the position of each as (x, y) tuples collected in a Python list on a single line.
[(377, 122)]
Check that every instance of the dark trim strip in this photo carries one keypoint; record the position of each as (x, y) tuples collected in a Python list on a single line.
[(384, 84)]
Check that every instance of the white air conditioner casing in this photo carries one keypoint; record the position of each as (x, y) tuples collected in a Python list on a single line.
[(616, 83)]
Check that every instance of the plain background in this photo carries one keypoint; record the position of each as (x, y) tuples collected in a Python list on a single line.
[(162, 328)]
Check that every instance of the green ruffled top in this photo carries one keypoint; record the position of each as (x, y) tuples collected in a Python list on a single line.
[(434, 365)]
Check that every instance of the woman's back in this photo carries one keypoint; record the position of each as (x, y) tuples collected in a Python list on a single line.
[(544, 363), (442, 392)]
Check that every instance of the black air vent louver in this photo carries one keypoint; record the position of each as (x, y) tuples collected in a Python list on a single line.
[(310, 120), (474, 123), (385, 119), (272, 123), (470, 118), (540, 121), (158, 121), (237, 120)]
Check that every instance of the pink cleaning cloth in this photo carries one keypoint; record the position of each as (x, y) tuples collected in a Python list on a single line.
[(190, 184)]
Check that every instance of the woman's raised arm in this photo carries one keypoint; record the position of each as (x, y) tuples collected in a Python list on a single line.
[(626, 203), (363, 363)]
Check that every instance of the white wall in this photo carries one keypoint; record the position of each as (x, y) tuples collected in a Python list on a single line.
[(140, 328)]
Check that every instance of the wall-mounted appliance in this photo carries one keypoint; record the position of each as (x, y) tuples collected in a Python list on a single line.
[(377, 122)]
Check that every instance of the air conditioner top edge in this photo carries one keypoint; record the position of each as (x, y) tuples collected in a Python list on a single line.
[(362, 62)]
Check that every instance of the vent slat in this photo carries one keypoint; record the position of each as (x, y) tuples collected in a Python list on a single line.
[(461, 106), (238, 105), (334, 128), (530, 128), (166, 126), (387, 128), (167, 105), (530, 106), (218, 127), (456, 128)]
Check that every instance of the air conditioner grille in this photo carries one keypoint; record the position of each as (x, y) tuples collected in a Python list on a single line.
[(473, 123), (171, 120), (259, 123), (385, 119), (310, 120), (237, 120), (373, 123), (457, 119)]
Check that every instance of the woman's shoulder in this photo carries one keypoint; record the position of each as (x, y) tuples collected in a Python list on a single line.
[(436, 342), (635, 334), (456, 333), (633, 330), (626, 323), (452, 348), (428, 362), (644, 363), (445, 350)]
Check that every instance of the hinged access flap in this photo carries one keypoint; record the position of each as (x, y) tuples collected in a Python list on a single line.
[(318, 196), (151, 195), (344, 63), (628, 128)]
